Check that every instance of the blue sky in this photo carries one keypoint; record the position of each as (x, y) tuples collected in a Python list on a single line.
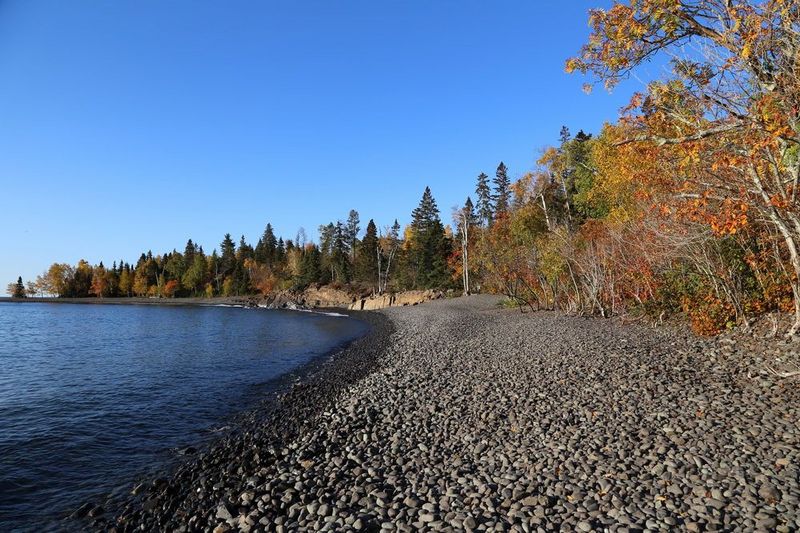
[(135, 125)]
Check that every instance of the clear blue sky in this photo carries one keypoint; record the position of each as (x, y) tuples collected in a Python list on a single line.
[(135, 125)]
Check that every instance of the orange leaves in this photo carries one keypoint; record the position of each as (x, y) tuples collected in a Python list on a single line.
[(725, 218), (169, 288), (780, 201), (709, 315), (262, 278)]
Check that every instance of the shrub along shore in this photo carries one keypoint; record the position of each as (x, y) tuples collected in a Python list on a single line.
[(459, 415)]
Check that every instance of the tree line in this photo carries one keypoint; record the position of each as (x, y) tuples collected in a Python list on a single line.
[(370, 261)]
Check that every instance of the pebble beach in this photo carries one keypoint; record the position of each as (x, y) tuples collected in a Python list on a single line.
[(458, 415)]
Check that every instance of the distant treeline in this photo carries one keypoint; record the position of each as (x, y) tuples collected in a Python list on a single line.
[(370, 261)]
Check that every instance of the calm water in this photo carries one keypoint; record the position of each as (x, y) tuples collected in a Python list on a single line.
[(92, 396)]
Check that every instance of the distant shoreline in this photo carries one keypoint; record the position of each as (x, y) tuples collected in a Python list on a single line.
[(229, 300), (319, 297)]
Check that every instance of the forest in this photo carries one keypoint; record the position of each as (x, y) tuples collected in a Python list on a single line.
[(685, 206)]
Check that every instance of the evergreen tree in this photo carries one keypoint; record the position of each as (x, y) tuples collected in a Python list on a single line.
[(574, 174), (214, 271), (484, 196), (310, 267), (502, 189), (351, 232), (267, 246), (280, 251), (564, 135), (245, 251), (367, 263), (429, 250), (327, 235), (227, 260), (472, 216), (340, 254), (241, 279), (188, 253), (19, 289)]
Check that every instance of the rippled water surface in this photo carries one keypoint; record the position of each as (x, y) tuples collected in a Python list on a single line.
[(92, 396)]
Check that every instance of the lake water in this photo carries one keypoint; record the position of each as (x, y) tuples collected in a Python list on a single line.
[(93, 396)]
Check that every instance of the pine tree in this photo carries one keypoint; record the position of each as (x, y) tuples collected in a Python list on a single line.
[(310, 267), (327, 235), (484, 196), (351, 232), (188, 253), (227, 260), (502, 189), (245, 251), (564, 135), (367, 258), (340, 254), (280, 251), (19, 289), (430, 247), (472, 216), (267, 246)]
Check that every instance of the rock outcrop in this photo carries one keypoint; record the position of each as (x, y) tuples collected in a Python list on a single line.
[(326, 297)]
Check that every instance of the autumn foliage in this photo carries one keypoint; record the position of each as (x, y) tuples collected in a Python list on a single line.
[(688, 204)]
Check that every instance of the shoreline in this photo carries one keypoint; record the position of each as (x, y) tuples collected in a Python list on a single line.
[(463, 416), (217, 300), (277, 416), (314, 297)]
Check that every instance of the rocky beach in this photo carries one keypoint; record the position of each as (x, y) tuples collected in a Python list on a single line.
[(459, 415)]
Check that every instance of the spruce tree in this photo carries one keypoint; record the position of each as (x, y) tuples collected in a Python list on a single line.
[(340, 254), (472, 216), (270, 244), (430, 247), (245, 251), (327, 234), (227, 260), (19, 289), (484, 195), (564, 135), (502, 189), (188, 253), (367, 258), (310, 267), (351, 231), (280, 251)]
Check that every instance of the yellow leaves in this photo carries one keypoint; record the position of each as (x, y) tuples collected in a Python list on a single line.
[(522, 189), (549, 156), (572, 65), (408, 237), (747, 51)]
